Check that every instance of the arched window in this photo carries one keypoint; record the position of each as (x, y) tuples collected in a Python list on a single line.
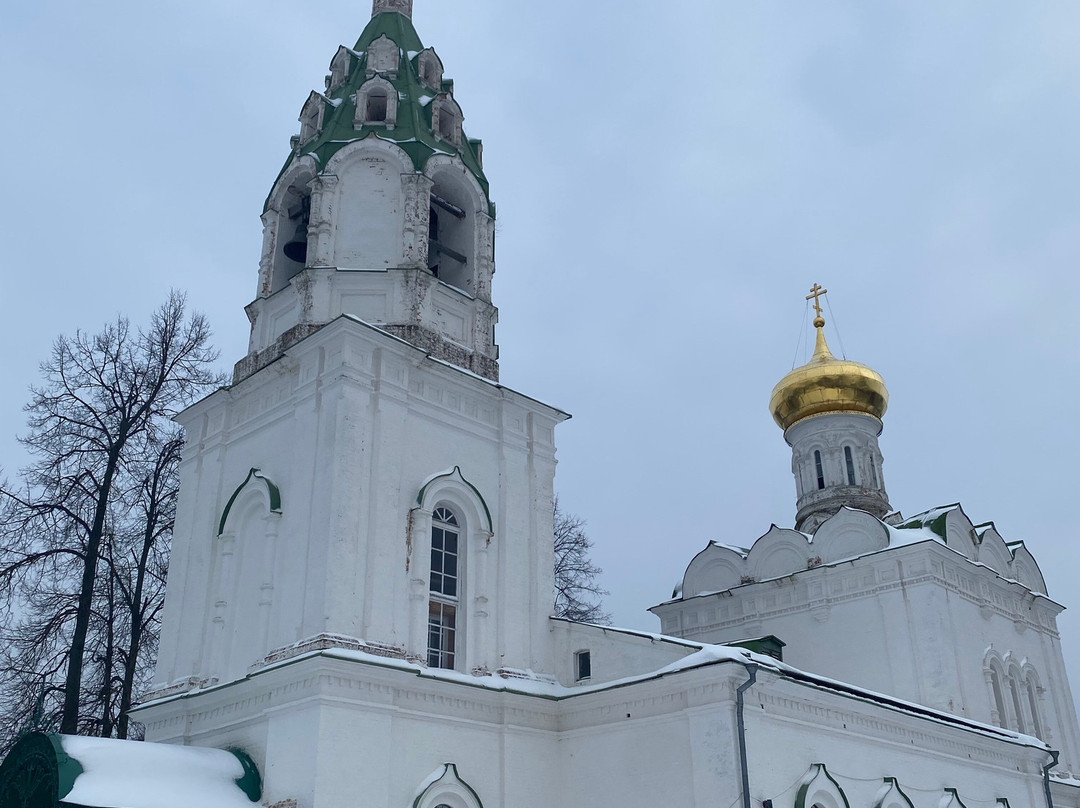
[(1032, 695), (1014, 689), (999, 700), (849, 462), (820, 471), (873, 472), (448, 791), (376, 106), (444, 588)]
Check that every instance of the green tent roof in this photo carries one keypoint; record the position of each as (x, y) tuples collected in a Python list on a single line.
[(412, 131)]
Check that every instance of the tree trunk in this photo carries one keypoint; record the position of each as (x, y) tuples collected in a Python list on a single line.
[(69, 722)]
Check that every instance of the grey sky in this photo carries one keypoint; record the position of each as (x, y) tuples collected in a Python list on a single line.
[(670, 181)]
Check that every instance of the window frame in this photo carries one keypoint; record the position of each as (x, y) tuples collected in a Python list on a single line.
[(583, 660), (444, 620), (849, 465)]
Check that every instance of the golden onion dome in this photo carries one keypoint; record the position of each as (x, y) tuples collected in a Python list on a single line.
[(826, 384)]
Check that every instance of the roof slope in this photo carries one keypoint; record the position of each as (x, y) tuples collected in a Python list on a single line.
[(412, 131)]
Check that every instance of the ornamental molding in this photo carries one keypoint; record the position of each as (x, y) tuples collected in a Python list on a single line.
[(273, 496), (855, 717), (821, 587)]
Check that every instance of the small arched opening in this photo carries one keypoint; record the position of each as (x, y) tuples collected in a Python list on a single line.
[(452, 233), (291, 250), (377, 103)]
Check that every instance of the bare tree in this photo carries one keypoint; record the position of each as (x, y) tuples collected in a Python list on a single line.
[(140, 573), (578, 593), (103, 409)]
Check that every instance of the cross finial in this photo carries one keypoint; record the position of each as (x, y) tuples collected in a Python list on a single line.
[(815, 294)]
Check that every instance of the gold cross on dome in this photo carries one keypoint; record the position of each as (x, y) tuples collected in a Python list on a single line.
[(815, 294)]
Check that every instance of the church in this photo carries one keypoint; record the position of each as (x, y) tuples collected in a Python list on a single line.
[(360, 591)]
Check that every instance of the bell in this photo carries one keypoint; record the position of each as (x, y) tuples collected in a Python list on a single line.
[(296, 248)]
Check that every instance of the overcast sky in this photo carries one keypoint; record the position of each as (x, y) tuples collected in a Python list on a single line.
[(671, 179)]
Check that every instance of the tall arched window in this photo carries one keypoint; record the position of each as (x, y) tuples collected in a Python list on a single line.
[(849, 462), (820, 471), (999, 700), (1032, 695), (444, 588), (1014, 688)]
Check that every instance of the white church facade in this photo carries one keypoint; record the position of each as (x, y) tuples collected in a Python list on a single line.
[(360, 592)]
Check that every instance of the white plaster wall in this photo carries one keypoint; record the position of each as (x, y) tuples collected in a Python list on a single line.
[(349, 426), (369, 217), (914, 622), (861, 744), (325, 731), (614, 653)]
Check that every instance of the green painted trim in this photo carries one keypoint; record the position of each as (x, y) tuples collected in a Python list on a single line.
[(68, 768), (448, 769), (475, 490), (956, 795), (272, 490), (250, 782), (936, 525), (52, 772), (412, 131), (800, 798), (892, 781)]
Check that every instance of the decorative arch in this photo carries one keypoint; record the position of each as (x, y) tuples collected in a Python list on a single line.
[(778, 553), (849, 533), (311, 117), (449, 544), (714, 569), (994, 673), (369, 146), (383, 56), (367, 169), (951, 799), (340, 66), (429, 68), (891, 796), (1032, 692), (444, 787), (434, 488), (820, 789), (446, 119), (287, 218), (1015, 680), (1025, 569), (992, 550), (455, 224), (376, 104), (960, 532), (256, 478)]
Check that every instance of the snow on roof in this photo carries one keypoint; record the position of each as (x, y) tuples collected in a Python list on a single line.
[(134, 774)]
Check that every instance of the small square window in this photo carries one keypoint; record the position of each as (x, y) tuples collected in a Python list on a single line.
[(583, 665)]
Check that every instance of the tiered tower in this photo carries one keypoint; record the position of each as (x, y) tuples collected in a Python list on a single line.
[(365, 485), (381, 211)]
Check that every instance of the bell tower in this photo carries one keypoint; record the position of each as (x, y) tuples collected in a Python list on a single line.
[(382, 210), (366, 485), (830, 410)]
